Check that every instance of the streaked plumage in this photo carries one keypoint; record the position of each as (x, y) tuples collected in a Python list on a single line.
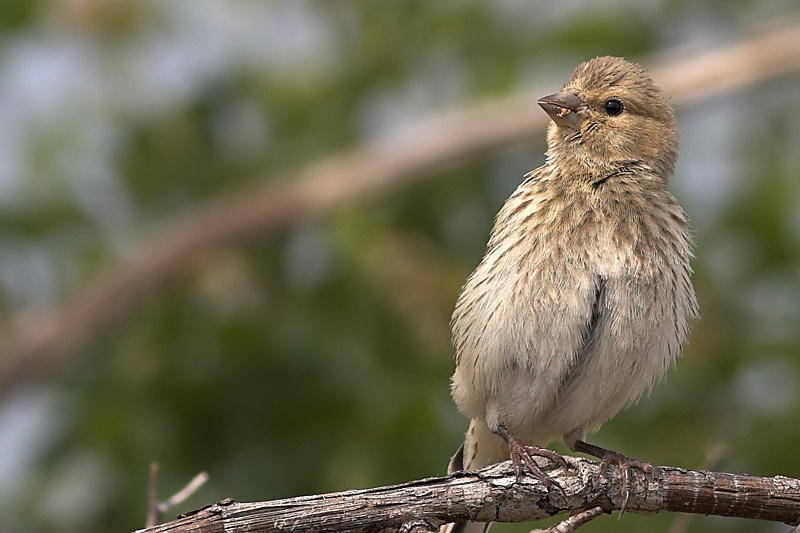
[(583, 298)]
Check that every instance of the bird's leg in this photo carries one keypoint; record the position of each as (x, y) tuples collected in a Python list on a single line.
[(609, 457), (522, 453)]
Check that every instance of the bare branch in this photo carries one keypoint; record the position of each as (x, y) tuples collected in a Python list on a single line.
[(493, 494), (38, 342), (156, 509), (571, 524), (185, 493), (153, 515)]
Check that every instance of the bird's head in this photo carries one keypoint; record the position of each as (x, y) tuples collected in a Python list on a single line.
[(611, 111)]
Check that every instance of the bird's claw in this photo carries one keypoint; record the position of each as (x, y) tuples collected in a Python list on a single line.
[(523, 455), (626, 465)]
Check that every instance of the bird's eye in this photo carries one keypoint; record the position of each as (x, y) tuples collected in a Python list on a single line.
[(613, 107)]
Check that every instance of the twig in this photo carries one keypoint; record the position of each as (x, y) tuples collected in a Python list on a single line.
[(156, 509), (494, 495), (36, 343), (421, 526), (185, 493), (153, 516), (571, 524)]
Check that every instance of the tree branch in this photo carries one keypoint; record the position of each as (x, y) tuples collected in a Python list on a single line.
[(155, 508), (492, 494), (37, 342)]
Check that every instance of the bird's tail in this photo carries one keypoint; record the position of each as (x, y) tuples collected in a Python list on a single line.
[(481, 448)]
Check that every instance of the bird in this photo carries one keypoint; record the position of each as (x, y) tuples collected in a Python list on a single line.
[(583, 299)]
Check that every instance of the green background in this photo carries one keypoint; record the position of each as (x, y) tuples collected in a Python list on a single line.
[(317, 358)]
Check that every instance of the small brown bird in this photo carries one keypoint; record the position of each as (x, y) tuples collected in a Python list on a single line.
[(583, 298)]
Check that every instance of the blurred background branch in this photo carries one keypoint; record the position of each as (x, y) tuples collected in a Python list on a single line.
[(38, 342)]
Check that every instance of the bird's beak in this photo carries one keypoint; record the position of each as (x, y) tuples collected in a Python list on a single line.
[(563, 108)]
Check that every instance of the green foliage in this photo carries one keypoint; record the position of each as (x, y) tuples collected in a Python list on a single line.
[(317, 359)]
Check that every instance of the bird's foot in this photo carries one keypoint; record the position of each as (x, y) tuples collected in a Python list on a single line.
[(625, 464), (522, 455)]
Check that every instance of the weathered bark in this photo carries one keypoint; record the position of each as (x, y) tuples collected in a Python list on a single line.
[(493, 494)]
